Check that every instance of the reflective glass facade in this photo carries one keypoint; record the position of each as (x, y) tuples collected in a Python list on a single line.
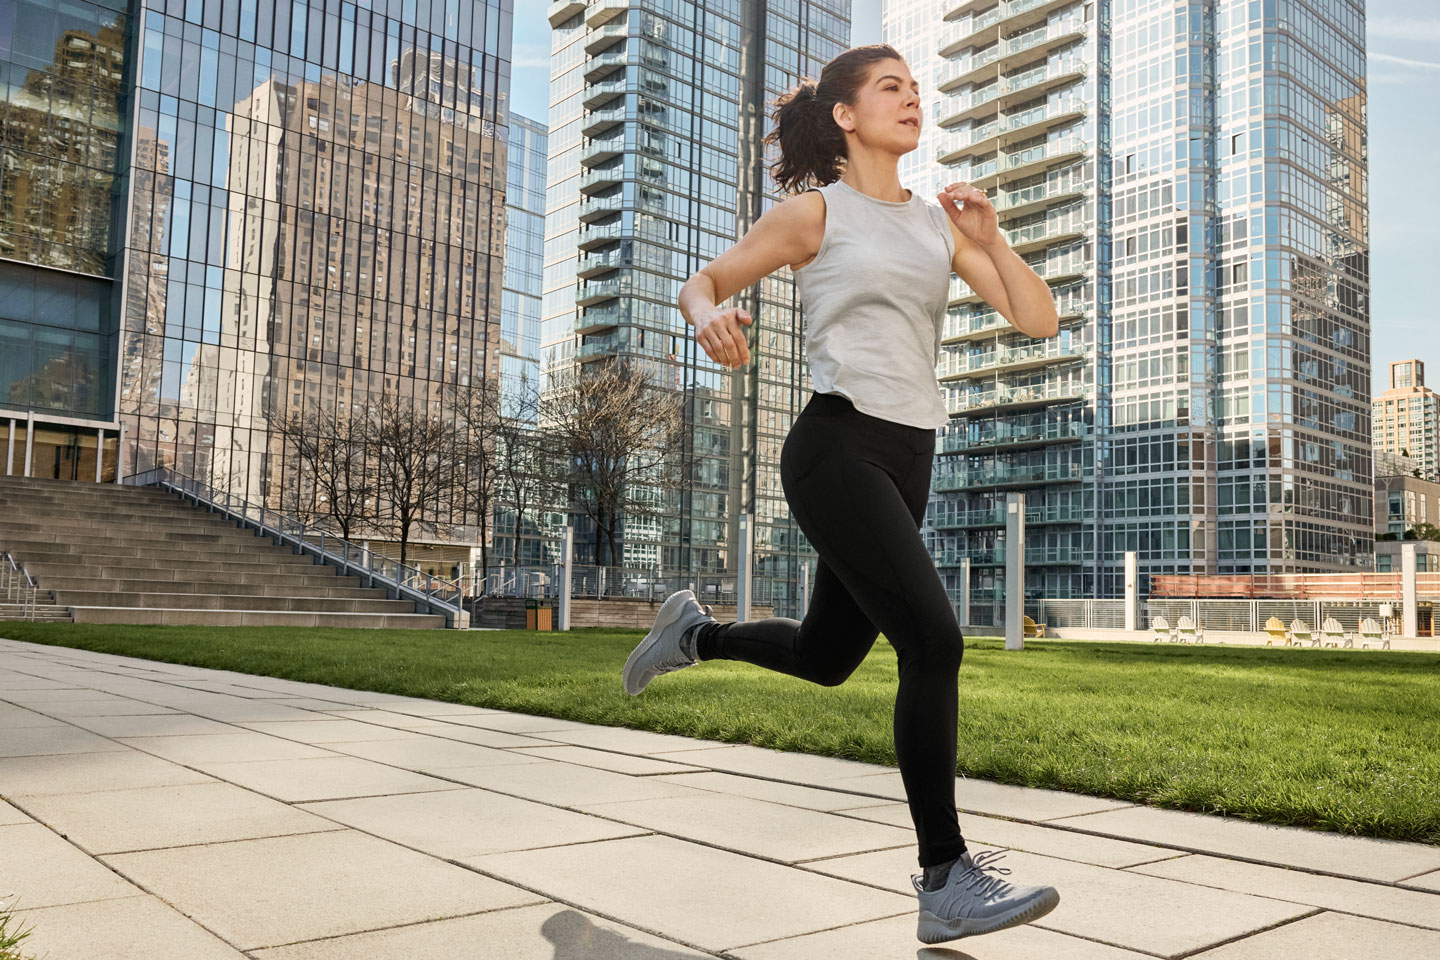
[(62, 99), (315, 220), (657, 112), (1190, 179)]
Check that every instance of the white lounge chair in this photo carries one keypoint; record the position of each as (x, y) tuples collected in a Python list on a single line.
[(1372, 632), (1162, 628), (1187, 631), (1275, 630), (1299, 633), (1334, 635)]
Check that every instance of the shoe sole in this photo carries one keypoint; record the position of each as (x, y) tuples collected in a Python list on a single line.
[(934, 930), (664, 619)]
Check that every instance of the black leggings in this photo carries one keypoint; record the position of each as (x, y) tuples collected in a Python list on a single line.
[(857, 486)]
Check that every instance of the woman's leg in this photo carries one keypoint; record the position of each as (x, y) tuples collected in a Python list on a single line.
[(860, 499)]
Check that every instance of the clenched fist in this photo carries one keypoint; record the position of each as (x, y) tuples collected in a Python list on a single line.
[(718, 332)]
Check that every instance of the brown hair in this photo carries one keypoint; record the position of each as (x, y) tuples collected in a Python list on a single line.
[(812, 145)]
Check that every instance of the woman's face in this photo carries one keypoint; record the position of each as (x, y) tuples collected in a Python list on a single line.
[(886, 114)]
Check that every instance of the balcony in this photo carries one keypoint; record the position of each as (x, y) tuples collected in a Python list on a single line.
[(592, 236), (598, 179), (1035, 556), (1019, 164), (599, 94), (597, 291), (600, 12), (597, 263), (983, 436), (967, 106), (978, 66), (593, 321), (1018, 50), (562, 10), (597, 68), (1018, 203), (1010, 359), (599, 121), (595, 207), (1035, 516), (606, 148), (968, 403), (1017, 88), (978, 326), (1047, 233), (606, 36), (993, 475)]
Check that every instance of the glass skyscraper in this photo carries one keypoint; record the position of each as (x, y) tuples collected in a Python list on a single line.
[(1191, 182), (219, 214), (657, 112)]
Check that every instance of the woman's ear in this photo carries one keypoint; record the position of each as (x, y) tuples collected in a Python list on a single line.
[(843, 118)]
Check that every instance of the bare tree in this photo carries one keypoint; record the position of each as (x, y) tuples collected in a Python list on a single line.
[(416, 457), (332, 482), (478, 410), (623, 437)]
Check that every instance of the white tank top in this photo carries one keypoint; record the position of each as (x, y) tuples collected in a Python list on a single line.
[(875, 297)]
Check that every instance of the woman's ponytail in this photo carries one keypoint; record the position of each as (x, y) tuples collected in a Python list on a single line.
[(812, 145)]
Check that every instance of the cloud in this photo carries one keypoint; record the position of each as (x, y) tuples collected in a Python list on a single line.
[(1403, 28), (1404, 61)]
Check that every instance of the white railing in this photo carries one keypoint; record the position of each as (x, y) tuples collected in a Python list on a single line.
[(430, 594), (17, 584)]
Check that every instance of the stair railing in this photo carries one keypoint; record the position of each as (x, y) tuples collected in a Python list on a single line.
[(18, 585), (401, 581)]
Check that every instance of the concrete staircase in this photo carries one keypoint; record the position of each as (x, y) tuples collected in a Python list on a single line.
[(45, 610), (116, 554)]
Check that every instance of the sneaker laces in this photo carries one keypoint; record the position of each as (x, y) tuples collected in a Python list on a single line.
[(986, 885)]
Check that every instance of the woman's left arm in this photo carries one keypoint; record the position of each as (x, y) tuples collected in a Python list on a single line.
[(987, 264)]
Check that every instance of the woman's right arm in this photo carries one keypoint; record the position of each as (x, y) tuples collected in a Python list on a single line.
[(788, 233)]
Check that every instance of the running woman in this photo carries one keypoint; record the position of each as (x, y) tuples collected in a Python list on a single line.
[(872, 263)]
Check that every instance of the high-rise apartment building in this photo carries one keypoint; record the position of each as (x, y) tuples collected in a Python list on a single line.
[(1406, 418), (656, 166), (245, 212), (1191, 183)]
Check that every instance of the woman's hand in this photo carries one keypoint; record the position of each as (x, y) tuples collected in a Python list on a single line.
[(719, 333), (972, 213)]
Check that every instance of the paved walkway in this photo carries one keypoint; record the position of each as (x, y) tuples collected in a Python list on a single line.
[(157, 811)]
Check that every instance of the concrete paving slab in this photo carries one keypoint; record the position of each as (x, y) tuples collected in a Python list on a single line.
[(38, 868), (486, 738), (108, 707), (625, 740), (567, 784), (27, 697), (328, 730), (1380, 901), (808, 798), (133, 928), (896, 936), (264, 893), (10, 815), (158, 725), (85, 772), (608, 760), (1333, 936), (543, 932), (47, 741), (325, 778), (756, 827), (1430, 881), (241, 710), (308, 703), (223, 748), (13, 718), (442, 708), (432, 753), (1047, 841), (472, 822), (991, 799), (382, 718), (1242, 839), (777, 764), (519, 723), (657, 883), (11, 681), (113, 821)]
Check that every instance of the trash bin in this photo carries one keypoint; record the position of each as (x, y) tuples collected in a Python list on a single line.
[(537, 614)]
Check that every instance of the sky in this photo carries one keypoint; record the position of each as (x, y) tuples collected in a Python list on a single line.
[(1403, 46)]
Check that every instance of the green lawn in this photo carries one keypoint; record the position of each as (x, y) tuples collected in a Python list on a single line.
[(1339, 740)]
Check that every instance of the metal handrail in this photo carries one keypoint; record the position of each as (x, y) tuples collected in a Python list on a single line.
[(352, 558), (12, 571)]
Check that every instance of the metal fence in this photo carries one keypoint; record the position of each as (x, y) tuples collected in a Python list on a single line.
[(593, 582), (1230, 616)]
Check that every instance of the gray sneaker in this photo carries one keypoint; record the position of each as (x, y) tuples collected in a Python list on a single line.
[(661, 650), (973, 902)]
